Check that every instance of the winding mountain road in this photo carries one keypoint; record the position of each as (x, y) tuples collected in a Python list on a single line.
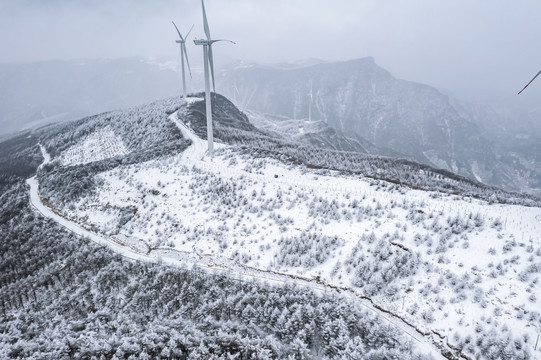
[(195, 155)]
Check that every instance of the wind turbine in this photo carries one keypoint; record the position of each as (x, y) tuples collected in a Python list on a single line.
[(208, 63), (529, 82), (183, 55)]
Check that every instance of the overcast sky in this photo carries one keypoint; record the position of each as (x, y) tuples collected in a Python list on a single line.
[(473, 47)]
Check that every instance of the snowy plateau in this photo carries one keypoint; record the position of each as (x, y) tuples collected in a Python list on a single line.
[(456, 272)]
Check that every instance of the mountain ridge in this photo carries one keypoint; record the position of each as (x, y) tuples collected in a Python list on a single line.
[(457, 260)]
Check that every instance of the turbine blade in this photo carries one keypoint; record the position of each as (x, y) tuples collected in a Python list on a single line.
[(186, 57), (529, 82), (205, 22), (181, 38), (211, 64), (189, 32), (232, 42)]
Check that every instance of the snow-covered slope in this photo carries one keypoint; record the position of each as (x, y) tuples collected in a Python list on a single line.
[(311, 132), (463, 271)]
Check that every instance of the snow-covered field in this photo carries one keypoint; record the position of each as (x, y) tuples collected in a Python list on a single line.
[(462, 271)]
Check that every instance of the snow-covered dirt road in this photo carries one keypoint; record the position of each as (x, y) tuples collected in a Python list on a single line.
[(196, 154)]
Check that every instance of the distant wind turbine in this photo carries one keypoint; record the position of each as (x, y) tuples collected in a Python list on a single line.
[(208, 63), (183, 55), (529, 82)]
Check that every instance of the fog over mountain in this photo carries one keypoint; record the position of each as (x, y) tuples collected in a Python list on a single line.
[(459, 49), (356, 106), (374, 191), (484, 49), (33, 94)]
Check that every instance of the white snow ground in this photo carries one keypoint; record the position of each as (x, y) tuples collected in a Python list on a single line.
[(475, 269), (121, 245)]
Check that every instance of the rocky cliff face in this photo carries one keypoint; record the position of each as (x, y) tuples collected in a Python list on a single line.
[(364, 102)]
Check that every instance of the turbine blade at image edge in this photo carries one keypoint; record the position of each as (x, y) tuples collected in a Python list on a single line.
[(529, 82)]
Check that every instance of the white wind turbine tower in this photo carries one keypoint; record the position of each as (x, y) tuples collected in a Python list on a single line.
[(183, 55), (208, 63)]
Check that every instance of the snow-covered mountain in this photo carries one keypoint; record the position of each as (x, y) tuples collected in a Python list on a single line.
[(515, 137), (357, 106), (451, 265), (399, 118)]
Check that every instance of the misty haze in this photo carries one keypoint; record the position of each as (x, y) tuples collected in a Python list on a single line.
[(189, 179)]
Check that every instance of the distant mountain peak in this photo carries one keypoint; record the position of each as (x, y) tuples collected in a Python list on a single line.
[(364, 101)]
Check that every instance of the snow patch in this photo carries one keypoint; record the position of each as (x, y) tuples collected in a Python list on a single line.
[(475, 171), (100, 145), (191, 100)]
